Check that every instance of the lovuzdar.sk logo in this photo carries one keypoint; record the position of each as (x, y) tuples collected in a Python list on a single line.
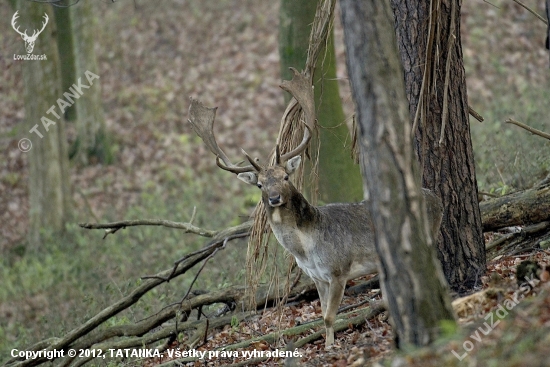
[(29, 40)]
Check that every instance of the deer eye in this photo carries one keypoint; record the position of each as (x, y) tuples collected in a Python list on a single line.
[(286, 178)]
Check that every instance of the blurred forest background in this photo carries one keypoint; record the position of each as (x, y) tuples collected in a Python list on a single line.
[(151, 57)]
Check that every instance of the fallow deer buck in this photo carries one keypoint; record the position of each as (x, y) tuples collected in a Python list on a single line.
[(332, 243)]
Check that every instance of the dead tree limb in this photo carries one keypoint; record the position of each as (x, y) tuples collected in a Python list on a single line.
[(531, 11), (528, 128), (343, 322), (111, 228), (519, 208), (127, 301), (475, 115), (138, 335), (526, 239), (150, 338)]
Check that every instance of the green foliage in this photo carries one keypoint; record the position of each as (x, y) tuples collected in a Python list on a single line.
[(507, 77), (448, 328), (507, 157), (49, 291), (234, 322)]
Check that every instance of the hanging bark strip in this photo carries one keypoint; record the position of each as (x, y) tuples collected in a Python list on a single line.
[(290, 134), (411, 279), (428, 38)]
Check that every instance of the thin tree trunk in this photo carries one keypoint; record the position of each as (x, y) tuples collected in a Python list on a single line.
[(428, 38), (77, 28), (411, 278), (65, 44), (339, 177), (49, 189)]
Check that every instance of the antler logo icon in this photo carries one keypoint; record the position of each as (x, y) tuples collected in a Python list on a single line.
[(29, 40)]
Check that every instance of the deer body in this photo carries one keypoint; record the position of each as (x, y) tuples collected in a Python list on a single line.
[(327, 241), (331, 244)]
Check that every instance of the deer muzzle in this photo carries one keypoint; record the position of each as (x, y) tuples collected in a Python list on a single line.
[(275, 199)]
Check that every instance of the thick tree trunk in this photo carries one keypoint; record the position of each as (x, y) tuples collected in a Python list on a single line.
[(411, 278), (49, 189), (76, 25), (431, 53), (339, 176), (519, 208)]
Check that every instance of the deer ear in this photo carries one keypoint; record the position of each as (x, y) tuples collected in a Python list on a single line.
[(249, 177), (292, 164)]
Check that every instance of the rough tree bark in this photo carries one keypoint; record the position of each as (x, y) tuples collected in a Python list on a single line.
[(428, 38), (335, 162), (49, 190), (411, 279)]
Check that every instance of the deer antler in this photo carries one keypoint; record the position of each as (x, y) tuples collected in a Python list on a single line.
[(301, 89), (13, 19), (44, 23), (202, 119), (24, 34)]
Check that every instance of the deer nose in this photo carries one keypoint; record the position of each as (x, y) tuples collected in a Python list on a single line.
[(275, 199)]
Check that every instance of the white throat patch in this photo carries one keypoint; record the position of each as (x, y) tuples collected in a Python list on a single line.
[(276, 215)]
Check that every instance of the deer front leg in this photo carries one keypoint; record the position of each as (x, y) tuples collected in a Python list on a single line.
[(322, 289), (335, 295)]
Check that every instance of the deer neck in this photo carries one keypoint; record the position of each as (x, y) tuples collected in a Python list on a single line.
[(296, 212)]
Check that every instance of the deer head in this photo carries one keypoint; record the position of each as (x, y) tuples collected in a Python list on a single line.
[(29, 40), (272, 180)]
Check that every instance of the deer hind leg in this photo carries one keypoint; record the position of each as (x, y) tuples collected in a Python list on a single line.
[(335, 295)]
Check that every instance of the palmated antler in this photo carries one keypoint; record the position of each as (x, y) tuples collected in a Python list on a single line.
[(301, 89), (202, 119)]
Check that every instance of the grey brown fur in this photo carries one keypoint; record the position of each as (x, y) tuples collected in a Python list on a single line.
[(333, 243)]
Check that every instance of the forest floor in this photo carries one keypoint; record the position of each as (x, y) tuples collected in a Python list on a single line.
[(226, 54), (502, 324)]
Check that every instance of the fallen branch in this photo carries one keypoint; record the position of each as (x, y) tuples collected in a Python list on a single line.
[(526, 239), (188, 227), (127, 301), (163, 333), (139, 335), (342, 322), (519, 208), (207, 249), (234, 294), (372, 283), (359, 304)]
